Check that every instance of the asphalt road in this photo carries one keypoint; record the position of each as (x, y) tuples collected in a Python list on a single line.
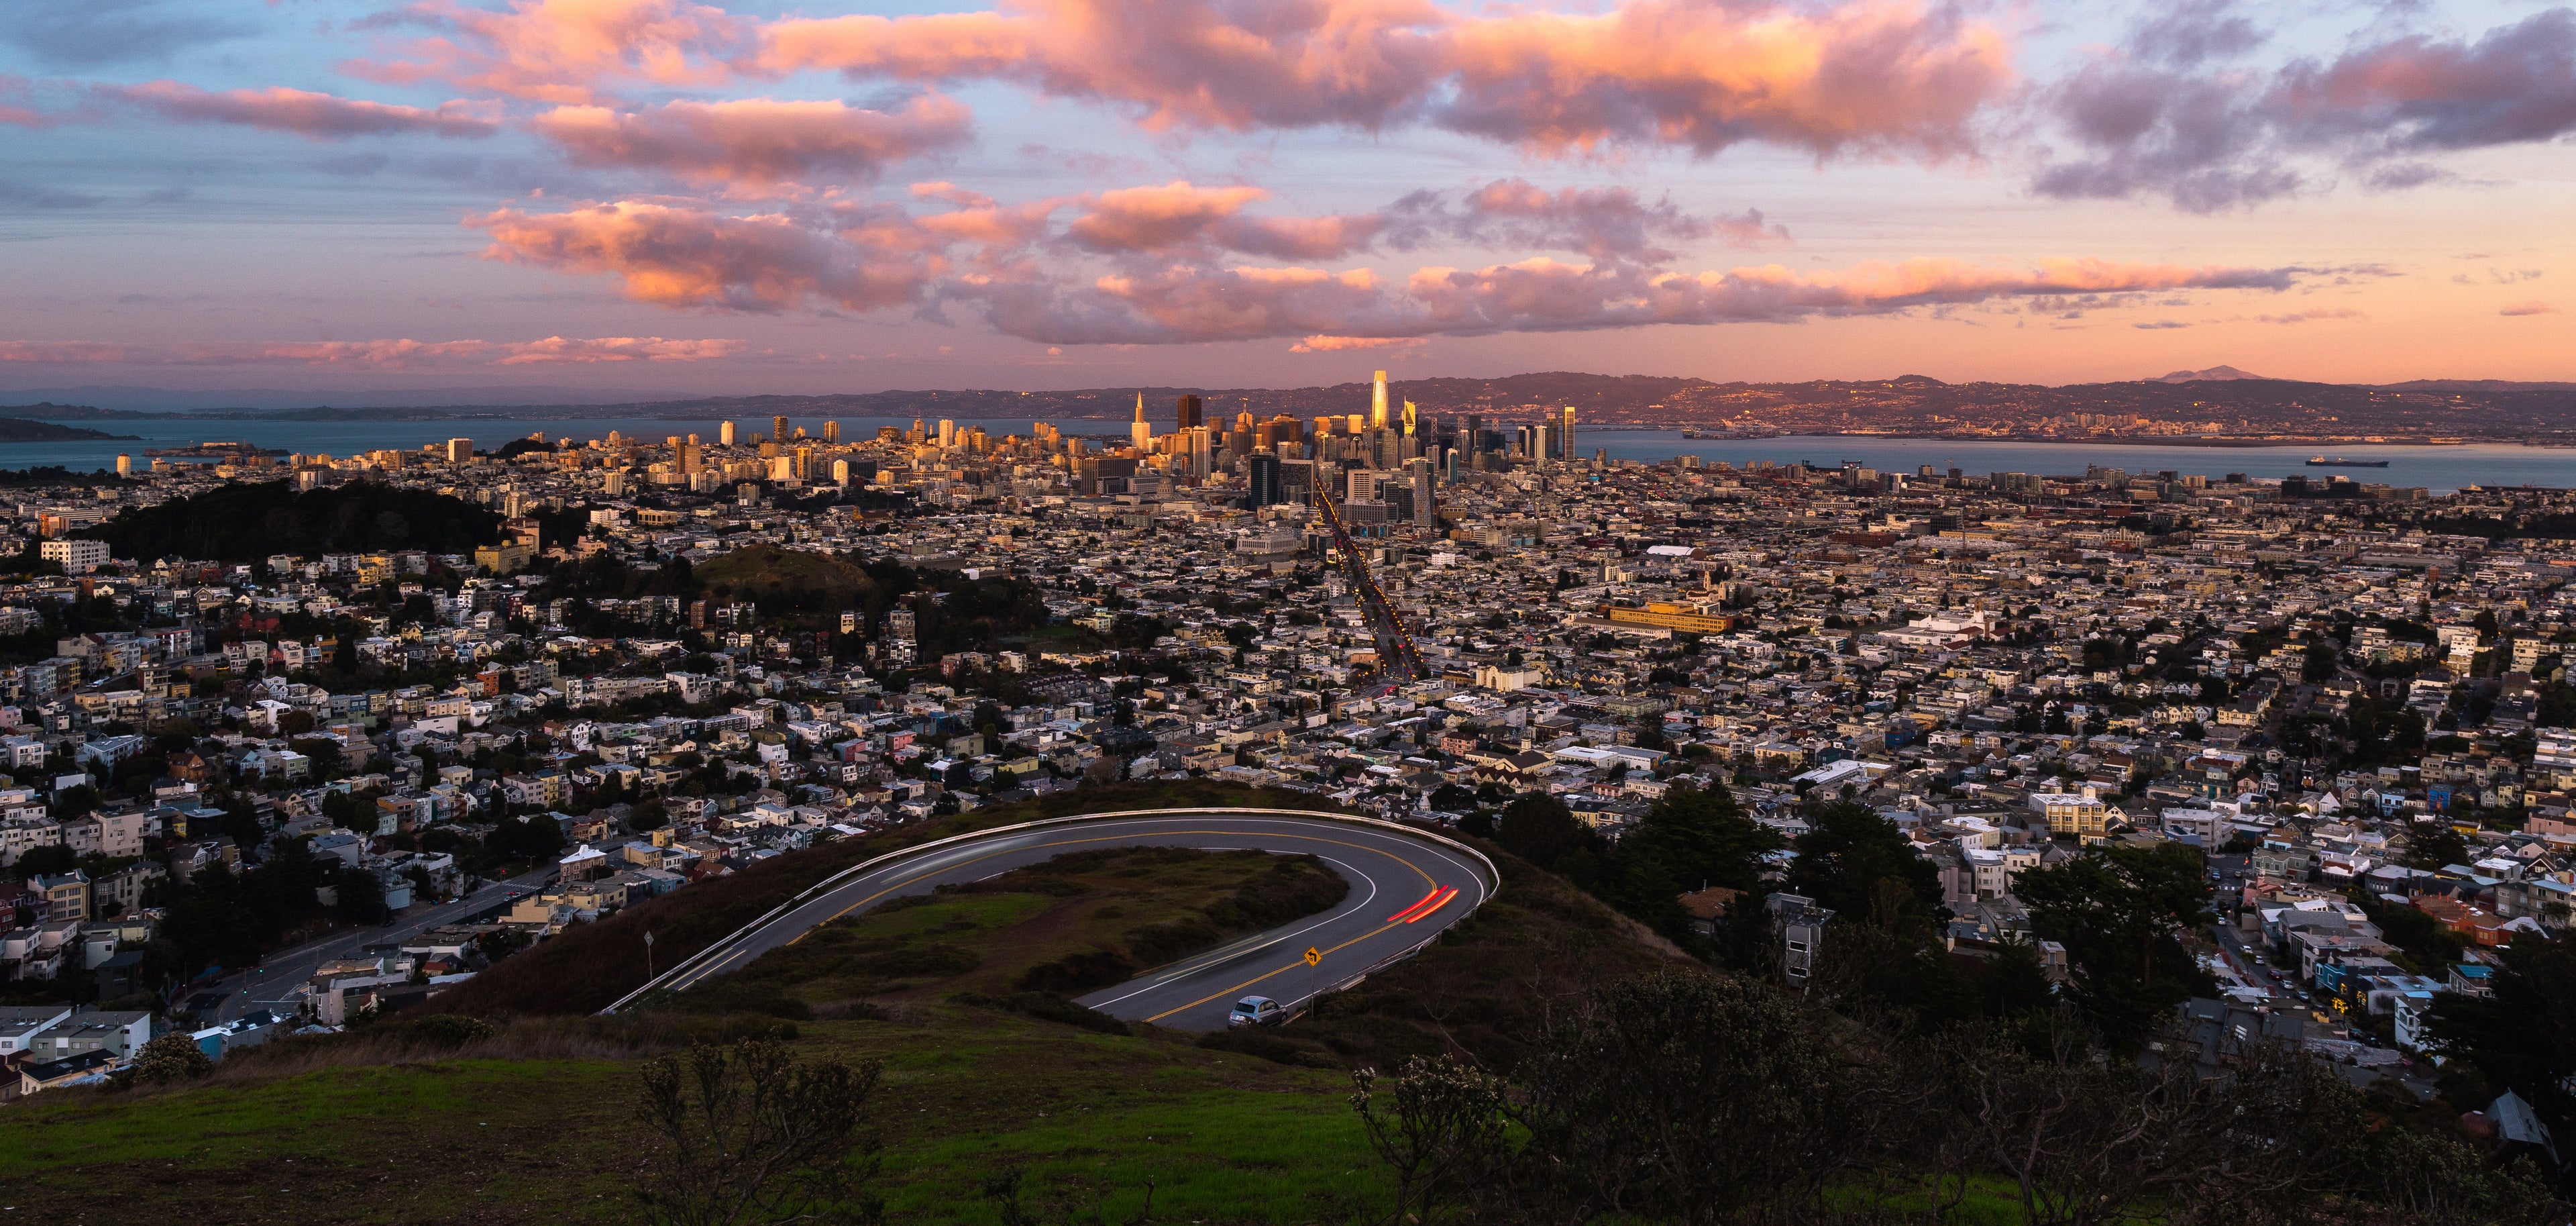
[(277, 983), (1405, 888)]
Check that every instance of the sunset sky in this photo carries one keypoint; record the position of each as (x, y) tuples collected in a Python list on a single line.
[(684, 198)]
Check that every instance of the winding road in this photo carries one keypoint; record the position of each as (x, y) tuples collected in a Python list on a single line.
[(1407, 886)]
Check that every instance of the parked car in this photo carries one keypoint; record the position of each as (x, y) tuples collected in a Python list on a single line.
[(1255, 1011)]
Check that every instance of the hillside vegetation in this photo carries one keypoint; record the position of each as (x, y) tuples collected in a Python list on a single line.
[(755, 571), (245, 523)]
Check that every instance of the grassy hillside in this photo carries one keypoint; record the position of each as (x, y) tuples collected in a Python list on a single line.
[(586, 968), (968, 1094), (536, 1123), (754, 571)]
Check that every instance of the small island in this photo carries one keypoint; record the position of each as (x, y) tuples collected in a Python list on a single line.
[(24, 430)]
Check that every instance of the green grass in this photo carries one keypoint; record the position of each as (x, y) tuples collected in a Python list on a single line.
[(968, 1095)]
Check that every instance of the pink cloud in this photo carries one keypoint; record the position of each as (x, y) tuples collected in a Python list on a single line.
[(2534, 307), (1901, 77), (388, 353), (695, 258), (2311, 315), (305, 113), (565, 51), (756, 141), (1601, 223)]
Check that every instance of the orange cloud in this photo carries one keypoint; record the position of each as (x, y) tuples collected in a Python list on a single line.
[(1876, 76), (756, 140), (279, 109), (2534, 307), (1338, 344), (695, 258)]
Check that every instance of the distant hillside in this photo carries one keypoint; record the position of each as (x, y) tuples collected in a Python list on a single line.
[(244, 523), (2214, 374), (21, 430), (49, 411)]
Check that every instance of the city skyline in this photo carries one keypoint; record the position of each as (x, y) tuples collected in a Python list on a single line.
[(683, 198)]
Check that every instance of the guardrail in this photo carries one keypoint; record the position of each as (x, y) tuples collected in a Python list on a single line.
[(835, 881)]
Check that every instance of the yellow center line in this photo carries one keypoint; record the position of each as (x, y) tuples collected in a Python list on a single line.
[(1258, 978), (1103, 839)]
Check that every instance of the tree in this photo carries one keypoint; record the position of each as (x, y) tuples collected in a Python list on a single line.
[(1440, 1127), (2435, 844), (172, 1057), (51, 860), (2522, 1035), (1861, 866), (361, 896), (1691, 1098), (2117, 910), (1701, 839), (747, 1135), (1540, 829)]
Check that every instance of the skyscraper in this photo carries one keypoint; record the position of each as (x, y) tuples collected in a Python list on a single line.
[(1411, 415), (1566, 443), (831, 432), (1191, 408), (1262, 474), (1138, 431), (724, 436), (1377, 402), (947, 433), (778, 429)]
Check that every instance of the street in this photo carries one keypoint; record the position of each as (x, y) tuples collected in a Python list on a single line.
[(277, 983)]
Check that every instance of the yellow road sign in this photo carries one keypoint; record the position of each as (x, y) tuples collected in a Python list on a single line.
[(1314, 956)]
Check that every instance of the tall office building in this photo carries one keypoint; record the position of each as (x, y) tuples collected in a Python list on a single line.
[(831, 432), (1411, 416), (778, 429), (459, 451), (724, 436), (1377, 402), (1420, 473), (947, 433), (1566, 443), (1191, 408), (1262, 473)]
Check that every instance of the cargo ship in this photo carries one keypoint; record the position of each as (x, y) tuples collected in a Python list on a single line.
[(2340, 462)]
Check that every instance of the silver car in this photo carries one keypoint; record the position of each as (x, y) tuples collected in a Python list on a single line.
[(1255, 1011)]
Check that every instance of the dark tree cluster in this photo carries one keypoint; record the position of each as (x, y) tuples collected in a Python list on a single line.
[(243, 523)]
